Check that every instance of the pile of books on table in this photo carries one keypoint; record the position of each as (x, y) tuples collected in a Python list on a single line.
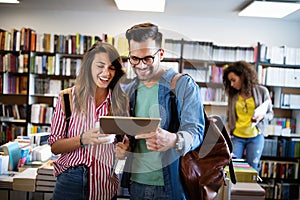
[(45, 180)]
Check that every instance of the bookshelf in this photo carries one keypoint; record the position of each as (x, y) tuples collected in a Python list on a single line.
[(281, 74), (52, 61), (204, 62), (279, 69), (280, 167), (34, 67), (13, 91), (48, 63)]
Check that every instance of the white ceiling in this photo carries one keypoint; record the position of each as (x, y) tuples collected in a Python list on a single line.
[(225, 9)]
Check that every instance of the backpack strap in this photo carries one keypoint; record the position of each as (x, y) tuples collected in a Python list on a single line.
[(174, 80), (174, 120), (66, 99)]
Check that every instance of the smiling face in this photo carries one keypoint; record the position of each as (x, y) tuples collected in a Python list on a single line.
[(145, 72), (102, 70), (235, 81)]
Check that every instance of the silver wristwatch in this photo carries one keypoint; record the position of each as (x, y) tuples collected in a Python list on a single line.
[(180, 142)]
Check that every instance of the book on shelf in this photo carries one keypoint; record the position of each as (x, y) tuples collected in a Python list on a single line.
[(279, 169)]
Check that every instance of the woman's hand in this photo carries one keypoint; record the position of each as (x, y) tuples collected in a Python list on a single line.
[(257, 118), (93, 137), (122, 148)]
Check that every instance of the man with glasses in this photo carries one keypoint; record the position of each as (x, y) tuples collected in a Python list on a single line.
[(152, 168)]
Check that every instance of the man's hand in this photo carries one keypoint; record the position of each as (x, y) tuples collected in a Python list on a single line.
[(122, 148), (161, 140)]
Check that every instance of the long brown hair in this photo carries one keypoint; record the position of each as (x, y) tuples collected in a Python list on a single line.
[(85, 86)]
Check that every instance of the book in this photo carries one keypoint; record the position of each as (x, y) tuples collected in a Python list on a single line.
[(3, 164), (25, 181), (44, 188), (42, 153), (13, 150), (45, 183), (25, 151), (261, 110), (45, 177), (47, 168), (243, 172)]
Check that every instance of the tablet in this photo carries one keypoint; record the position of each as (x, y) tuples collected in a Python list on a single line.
[(127, 125)]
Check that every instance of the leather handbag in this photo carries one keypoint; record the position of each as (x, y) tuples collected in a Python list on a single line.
[(202, 169)]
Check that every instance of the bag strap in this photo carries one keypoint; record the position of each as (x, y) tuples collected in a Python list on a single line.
[(174, 123), (66, 97), (67, 112)]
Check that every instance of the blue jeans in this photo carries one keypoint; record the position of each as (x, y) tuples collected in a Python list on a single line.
[(147, 192), (254, 147), (72, 184)]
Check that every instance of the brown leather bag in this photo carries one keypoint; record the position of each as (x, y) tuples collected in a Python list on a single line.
[(202, 170)]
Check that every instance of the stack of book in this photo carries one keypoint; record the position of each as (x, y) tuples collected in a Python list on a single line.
[(45, 180), (6, 180), (243, 172)]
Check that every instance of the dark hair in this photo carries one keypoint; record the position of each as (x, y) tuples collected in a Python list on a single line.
[(244, 70), (144, 31), (85, 85)]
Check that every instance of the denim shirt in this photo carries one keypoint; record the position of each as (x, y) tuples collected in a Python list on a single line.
[(191, 117)]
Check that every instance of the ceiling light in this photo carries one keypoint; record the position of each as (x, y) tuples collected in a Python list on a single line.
[(269, 9), (141, 5), (9, 1)]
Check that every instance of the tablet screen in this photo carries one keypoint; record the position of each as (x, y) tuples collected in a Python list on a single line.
[(127, 125)]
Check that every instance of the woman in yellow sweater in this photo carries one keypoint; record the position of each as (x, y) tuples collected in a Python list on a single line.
[(244, 96)]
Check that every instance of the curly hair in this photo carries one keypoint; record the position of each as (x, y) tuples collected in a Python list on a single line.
[(244, 70)]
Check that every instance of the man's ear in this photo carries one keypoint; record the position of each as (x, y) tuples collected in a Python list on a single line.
[(161, 54)]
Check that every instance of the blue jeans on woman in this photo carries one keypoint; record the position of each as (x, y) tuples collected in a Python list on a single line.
[(72, 184), (253, 146)]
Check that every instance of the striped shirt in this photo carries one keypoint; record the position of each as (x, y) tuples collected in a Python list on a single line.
[(98, 158)]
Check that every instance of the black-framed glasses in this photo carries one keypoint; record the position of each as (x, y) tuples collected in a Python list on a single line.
[(147, 60)]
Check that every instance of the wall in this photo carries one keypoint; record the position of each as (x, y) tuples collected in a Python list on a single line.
[(240, 31)]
